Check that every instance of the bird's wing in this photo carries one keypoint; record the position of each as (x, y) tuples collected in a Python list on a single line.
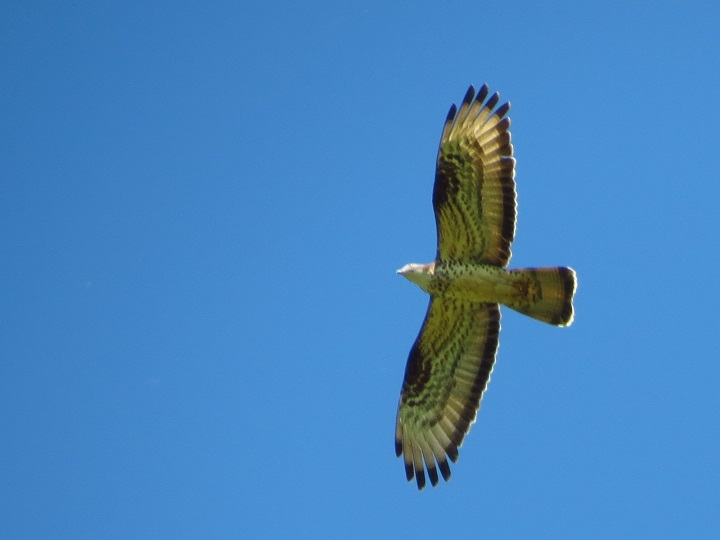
[(447, 371), (474, 194)]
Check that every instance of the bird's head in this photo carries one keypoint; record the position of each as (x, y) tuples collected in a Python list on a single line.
[(420, 274)]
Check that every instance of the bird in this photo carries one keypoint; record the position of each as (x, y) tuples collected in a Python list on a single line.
[(450, 362)]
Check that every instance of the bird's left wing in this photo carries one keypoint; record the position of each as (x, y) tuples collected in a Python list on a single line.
[(474, 193), (447, 371)]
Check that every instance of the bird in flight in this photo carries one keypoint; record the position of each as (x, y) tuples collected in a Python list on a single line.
[(451, 360)]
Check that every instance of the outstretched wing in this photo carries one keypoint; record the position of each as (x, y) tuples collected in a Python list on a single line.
[(474, 194), (446, 374)]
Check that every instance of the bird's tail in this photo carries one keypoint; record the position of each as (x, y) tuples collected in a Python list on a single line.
[(545, 294)]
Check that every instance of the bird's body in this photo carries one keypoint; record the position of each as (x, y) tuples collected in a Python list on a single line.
[(528, 290), (450, 363)]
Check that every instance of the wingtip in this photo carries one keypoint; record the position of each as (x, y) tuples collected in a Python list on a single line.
[(451, 113), (469, 95), (420, 479), (445, 470), (409, 472), (433, 475), (483, 92), (492, 102), (503, 109)]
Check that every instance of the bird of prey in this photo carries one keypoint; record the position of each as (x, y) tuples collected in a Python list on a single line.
[(450, 362)]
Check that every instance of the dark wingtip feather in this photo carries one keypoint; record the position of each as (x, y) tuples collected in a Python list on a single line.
[(482, 93), (451, 113), (420, 478), (444, 470), (469, 95), (493, 101), (409, 471), (502, 111), (432, 473)]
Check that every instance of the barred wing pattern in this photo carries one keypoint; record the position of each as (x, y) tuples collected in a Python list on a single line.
[(474, 193), (446, 374), (450, 363)]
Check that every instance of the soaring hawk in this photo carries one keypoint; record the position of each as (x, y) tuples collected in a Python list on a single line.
[(450, 363)]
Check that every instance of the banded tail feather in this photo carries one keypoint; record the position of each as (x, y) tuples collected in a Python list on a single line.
[(545, 294)]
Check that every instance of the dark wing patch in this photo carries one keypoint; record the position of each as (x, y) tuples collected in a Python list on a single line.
[(447, 372), (474, 194)]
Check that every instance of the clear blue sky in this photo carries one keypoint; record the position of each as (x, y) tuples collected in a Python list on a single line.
[(202, 208)]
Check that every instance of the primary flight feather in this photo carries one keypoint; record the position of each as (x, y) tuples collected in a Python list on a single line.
[(451, 360)]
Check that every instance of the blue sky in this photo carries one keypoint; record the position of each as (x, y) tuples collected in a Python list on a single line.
[(202, 208)]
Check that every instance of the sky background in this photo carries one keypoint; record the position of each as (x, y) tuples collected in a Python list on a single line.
[(202, 208)]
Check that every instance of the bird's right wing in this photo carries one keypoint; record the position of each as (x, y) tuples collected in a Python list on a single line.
[(447, 371)]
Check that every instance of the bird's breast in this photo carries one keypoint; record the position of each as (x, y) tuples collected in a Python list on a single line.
[(472, 282)]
